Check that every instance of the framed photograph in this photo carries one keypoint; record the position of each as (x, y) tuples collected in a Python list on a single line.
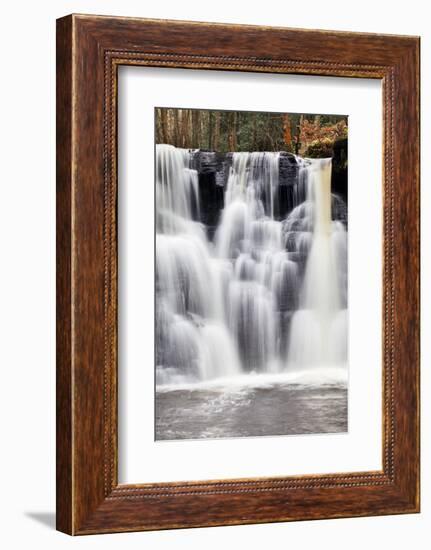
[(237, 274), (251, 274)]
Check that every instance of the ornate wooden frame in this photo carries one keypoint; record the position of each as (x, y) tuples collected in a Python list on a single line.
[(89, 51)]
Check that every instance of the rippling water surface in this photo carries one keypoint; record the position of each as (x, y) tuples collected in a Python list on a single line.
[(263, 406)]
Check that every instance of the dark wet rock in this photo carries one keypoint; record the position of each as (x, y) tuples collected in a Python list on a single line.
[(339, 169), (288, 175), (213, 170)]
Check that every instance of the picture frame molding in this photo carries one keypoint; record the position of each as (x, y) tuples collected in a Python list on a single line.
[(89, 51)]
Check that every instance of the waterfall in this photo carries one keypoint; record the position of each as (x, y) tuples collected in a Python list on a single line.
[(319, 328), (266, 293)]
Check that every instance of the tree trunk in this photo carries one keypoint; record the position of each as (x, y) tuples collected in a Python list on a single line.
[(232, 131), (216, 140), (164, 125), (300, 140), (176, 126), (196, 115), (287, 132), (254, 142), (184, 128), (210, 130)]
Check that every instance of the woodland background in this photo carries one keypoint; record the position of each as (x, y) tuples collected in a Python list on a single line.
[(308, 135)]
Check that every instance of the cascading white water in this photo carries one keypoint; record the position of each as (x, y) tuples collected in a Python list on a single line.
[(190, 318), (267, 294), (318, 335)]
